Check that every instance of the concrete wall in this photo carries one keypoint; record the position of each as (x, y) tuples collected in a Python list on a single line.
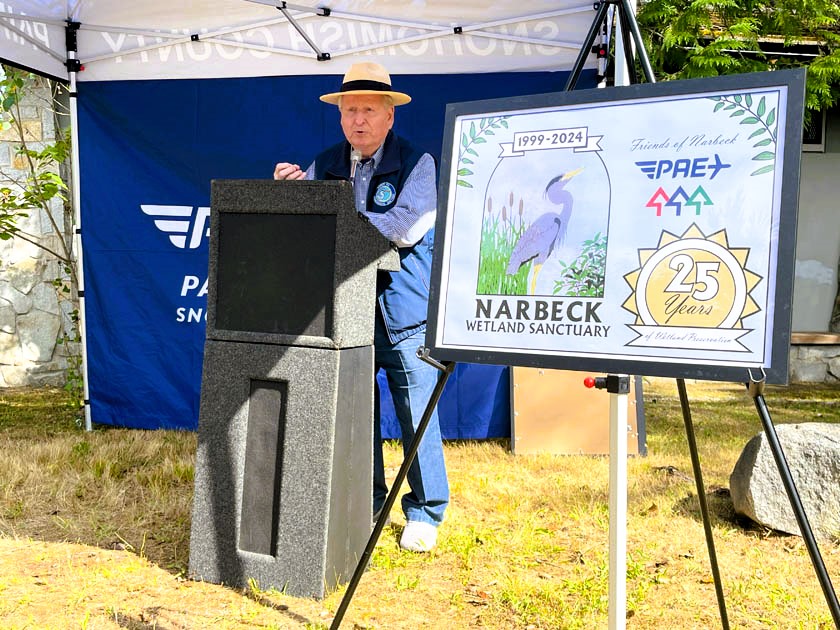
[(31, 314), (816, 363)]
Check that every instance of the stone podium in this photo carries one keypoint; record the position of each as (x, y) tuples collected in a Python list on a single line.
[(283, 471)]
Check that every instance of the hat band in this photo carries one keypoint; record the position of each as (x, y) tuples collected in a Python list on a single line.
[(365, 84)]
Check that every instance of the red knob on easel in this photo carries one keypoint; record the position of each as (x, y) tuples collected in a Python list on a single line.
[(589, 382)]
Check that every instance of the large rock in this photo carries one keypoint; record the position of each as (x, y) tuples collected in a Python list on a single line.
[(812, 451)]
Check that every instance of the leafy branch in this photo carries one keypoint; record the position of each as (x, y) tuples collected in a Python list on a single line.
[(475, 136), (585, 275), (35, 183), (688, 39), (743, 106)]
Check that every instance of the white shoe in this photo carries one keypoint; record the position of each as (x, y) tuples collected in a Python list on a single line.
[(418, 536)]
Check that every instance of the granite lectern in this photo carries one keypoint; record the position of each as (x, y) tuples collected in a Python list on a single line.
[(283, 471)]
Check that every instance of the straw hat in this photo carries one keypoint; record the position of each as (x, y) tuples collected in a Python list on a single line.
[(366, 78)]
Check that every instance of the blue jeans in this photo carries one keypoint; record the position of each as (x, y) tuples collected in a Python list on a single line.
[(411, 382)]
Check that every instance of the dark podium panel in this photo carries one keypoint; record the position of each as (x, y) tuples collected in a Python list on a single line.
[(280, 278), (283, 481), (292, 263)]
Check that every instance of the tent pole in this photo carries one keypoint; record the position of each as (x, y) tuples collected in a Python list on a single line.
[(322, 56), (73, 67)]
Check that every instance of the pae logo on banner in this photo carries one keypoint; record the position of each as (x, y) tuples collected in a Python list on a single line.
[(179, 222), (187, 228)]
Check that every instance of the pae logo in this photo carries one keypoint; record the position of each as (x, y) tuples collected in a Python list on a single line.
[(683, 167), (181, 223)]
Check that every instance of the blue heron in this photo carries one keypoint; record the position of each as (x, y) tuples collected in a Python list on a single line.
[(539, 240)]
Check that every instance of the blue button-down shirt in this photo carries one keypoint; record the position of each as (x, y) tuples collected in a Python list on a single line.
[(414, 213)]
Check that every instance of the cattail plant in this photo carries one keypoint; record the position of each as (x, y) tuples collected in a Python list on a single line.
[(499, 234)]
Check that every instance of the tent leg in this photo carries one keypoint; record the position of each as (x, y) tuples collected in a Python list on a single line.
[(77, 217)]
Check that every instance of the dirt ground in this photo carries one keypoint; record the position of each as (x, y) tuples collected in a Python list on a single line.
[(62, 586)]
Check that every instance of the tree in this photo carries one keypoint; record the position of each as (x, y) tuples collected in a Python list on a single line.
[(693, 38), (36, 183)]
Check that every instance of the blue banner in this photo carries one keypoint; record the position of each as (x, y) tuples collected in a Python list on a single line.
[(148, 150)]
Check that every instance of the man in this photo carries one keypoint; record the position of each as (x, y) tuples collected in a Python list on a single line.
[(394, 188)]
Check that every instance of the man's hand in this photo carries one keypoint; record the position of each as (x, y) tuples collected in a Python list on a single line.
[(284, 170)]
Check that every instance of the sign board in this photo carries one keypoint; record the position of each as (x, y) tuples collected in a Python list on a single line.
[(647, 229)]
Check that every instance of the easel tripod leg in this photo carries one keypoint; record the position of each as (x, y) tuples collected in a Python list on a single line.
[(585, 48), (798, 510), (446, 370), (701, 495)]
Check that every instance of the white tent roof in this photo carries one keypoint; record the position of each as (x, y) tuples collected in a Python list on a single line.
[(119, 40)]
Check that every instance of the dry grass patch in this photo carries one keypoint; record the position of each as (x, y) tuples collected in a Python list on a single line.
[(94, 532)]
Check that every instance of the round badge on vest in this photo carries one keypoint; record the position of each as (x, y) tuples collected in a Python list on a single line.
[(384, 194)]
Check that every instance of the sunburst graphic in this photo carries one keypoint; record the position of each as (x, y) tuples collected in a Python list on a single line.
[(691, 282)]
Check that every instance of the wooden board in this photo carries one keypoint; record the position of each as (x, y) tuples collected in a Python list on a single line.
[(553, 412)]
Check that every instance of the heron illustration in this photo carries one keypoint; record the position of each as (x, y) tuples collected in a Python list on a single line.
[(539, 240)]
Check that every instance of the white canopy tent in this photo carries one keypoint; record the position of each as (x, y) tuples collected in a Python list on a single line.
[(237, 38), (101, 41)]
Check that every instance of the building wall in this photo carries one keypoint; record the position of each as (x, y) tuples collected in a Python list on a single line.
[(31, 313), (818, 233), (815, 363)]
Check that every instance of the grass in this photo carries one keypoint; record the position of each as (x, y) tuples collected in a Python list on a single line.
[(94, 532), (499, 235)]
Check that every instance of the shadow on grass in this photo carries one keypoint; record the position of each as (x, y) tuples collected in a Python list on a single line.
[(163, 618), (266, 602), (722, 510)]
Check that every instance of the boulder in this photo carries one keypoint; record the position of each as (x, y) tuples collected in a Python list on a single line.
[(812, 451)]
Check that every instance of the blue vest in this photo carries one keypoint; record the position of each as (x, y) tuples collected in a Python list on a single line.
[(402, 296)]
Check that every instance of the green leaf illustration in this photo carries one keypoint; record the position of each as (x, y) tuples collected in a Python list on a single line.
[(741, 105), (471, 139)]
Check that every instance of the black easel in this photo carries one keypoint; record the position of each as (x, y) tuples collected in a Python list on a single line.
[(756, 390), (627, 23), (446, 368), (629, 27)]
